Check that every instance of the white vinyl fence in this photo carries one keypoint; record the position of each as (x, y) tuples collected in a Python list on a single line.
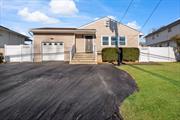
[(157, 54), (18, 53)]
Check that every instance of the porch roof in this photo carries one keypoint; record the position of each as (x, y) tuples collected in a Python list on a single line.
[(63, 30)]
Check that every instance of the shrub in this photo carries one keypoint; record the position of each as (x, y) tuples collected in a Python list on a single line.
[(1, 57), (109, 54), (128, 54)]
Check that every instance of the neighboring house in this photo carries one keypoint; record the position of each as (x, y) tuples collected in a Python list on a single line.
[(164, 36), (83, 44), (10, 37)]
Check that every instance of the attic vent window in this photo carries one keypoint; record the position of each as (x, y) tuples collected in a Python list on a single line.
[(107, 24)]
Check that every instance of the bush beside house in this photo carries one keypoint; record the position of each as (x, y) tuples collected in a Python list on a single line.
[(109, 54), (128, 54)]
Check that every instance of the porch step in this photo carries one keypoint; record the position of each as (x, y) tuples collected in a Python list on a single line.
[(83, 58), (83, 62), (84, 55)]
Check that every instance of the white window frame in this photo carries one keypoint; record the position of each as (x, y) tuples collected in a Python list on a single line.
[(109, 40), (117, 40), (125, 40)]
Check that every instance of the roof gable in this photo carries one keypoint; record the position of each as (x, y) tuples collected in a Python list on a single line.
[(106, 17)]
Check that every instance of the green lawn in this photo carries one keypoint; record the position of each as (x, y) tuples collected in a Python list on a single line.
[(158, 97)]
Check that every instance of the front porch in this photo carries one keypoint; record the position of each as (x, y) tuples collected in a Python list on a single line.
[(84, 50)]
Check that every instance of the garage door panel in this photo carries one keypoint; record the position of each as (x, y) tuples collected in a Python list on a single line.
[(53, 51)]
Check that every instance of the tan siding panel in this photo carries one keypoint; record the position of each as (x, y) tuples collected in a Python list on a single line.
[(68, 40), (131, 34)]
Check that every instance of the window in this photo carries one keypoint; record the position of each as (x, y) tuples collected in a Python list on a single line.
[(169, 29), (105, 40), (114, 40), (122, 40)]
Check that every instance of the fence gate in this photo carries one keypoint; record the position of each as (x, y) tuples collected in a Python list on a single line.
[(18, 53)]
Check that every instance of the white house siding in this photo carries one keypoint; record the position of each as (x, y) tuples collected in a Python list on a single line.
[(165, 44), (163, 36), (10, 38)]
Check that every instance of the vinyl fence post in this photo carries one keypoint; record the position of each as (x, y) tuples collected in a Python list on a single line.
[(148, 54), (4, 53), (169, 54)]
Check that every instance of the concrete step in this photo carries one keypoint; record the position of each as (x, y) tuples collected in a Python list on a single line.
[(83, 62), (84, 55), (83, 59), (88, 57)]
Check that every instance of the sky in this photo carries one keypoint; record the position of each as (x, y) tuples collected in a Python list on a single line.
[(23, 15)]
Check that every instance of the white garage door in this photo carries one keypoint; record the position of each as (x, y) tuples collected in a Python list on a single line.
[(53, 51)]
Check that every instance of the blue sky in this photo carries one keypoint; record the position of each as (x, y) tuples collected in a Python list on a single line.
[(22, 15)]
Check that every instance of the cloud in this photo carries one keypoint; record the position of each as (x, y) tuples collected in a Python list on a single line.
[(96, 18), (112, 17), (36, 16), (134, 25), (63, 7)]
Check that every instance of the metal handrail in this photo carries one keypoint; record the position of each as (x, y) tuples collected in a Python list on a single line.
[(95, 52), (72, 52)]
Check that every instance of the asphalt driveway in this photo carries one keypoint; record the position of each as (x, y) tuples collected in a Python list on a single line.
[(54, 91)]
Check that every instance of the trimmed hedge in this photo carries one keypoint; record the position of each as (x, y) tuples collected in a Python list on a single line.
[(128, 54), (1, 57), (109, 54)]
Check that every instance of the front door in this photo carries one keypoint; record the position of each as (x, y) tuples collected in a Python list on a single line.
[(89, 44)]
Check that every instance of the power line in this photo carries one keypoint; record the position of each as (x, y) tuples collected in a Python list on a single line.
[(1, 9), (155, 8), (127, 10), (179, 8)]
